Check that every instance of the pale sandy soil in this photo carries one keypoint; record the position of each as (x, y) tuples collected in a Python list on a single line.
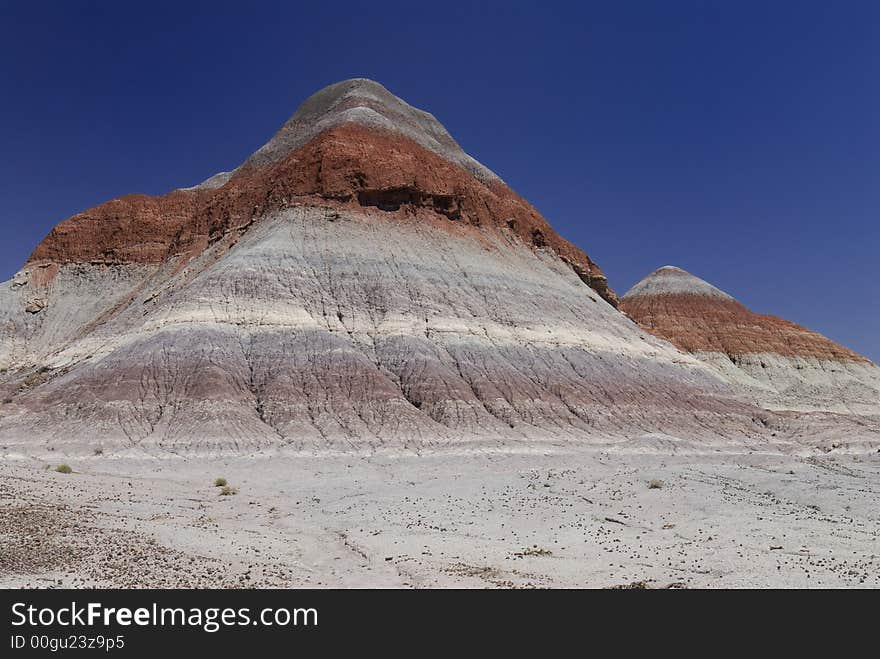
[(543, 517)]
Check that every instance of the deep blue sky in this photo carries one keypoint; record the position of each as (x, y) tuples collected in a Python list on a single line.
[(738, 140)]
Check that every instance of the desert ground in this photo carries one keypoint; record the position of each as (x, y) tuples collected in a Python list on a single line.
[(533, 516)]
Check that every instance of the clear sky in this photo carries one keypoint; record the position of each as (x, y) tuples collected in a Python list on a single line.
[(738, 140)]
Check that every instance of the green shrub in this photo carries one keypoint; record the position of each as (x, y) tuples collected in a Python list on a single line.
[(63, 469), (219, 482)]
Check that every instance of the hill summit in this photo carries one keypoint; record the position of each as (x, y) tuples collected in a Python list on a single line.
[(352, 144), (778, 363)]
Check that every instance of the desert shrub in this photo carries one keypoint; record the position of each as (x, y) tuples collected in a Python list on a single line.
[(63, 469), (655, 484), (219, 482), (228, 490), (99, 451)]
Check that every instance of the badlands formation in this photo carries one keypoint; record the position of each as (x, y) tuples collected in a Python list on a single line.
[(411, 380), (777, 363), (358, 283)]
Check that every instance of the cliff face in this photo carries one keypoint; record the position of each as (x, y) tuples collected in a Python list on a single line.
[(779, 362)]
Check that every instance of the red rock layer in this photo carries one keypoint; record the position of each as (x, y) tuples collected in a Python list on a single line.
[(348, 166), (700, 323)]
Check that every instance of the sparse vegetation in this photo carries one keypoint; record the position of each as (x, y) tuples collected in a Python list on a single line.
[(99, 451), (219, 482), (534, 550), (63, 469), (228, 490), (655, 484)]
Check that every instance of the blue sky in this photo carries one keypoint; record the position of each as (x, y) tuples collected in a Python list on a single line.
[(738, 140)]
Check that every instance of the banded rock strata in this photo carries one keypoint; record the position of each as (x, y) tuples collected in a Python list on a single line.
[(779, 364), (359, 282)]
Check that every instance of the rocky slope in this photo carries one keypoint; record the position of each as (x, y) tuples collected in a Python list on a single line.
[(358, 283), (776, 362), (352, 145)]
